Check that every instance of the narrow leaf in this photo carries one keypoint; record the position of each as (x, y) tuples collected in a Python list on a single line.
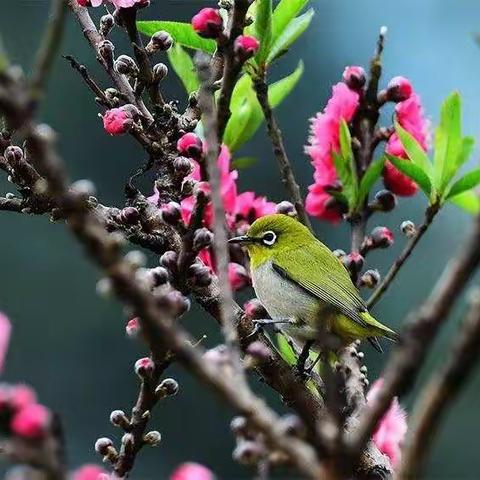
[(286, 350), (290, 35), (183, 66), (369, 178), (182, 33), (263, 29), (345, 174), (278, 91), (413, 171), (414, 150), (285, 12), (468, 201), (243, 162), (467, 182), (466, 150), (239, 127)]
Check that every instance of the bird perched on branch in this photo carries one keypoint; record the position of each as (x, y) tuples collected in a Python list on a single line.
[(305, 287)]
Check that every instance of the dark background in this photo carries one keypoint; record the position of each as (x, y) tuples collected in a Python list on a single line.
[(70, 345)]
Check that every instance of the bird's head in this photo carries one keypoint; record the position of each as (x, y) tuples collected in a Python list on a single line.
[(272, 234)]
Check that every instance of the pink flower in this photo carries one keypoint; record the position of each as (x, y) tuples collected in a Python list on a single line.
[(117, 3), (192, 471), (89, 472), (5, 331), (191, 145), (31, 421), (410, 116), (324, 140), (246, 46), (116, 121), (21, 396), (238, 276), (208, 23), (249, 207), (391, 429)]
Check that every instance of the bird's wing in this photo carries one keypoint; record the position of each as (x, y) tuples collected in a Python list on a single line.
[(315, 269)]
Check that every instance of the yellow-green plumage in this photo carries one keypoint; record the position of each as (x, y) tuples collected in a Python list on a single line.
[(298, 277)]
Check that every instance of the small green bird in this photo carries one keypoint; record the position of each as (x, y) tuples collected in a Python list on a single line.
[(303, 284)]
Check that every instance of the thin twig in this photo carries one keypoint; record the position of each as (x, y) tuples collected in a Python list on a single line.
[(274, 132), (430, 214), (441, 392), (402, 368)]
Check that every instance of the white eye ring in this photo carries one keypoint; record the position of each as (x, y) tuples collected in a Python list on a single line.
[(269, 238)]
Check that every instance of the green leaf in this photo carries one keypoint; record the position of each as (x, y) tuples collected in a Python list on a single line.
[(286, 350), (183, 66), (345, 174), (414, 150), (345, 141), (290, 35), (465, 151), (468, 201), (243, 162), (247, 115), (182, 33), (284, 13), (448, 140), (467, 182), (369, 178), (263, 29), (413, 171)]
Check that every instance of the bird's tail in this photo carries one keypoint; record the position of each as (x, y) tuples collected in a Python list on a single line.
[(378, 329)]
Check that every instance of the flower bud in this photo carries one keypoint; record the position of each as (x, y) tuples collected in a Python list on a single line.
[(130, 216), (160, 71), (248, 452), (104, 288), (169, 261), (119, 419), (128, 441), (106, 24), (239, 426), (254, 309), (386, 200), (339, 253), (192, 471), (136, 258), (159, 275), (399, 89), (133, 328), (102, 445), (258, 351), (354, 77), (381, 237), (105, 50), (152, 438), (353, 262), (176, 303), (202, 238), (31, 422), (208, 23), (200, 275), (20, 396), (370, 279), (246, 47), (125, 65), (13, 155), (160, 41), (171, 213), (238, 276), (293, 425), (286, 208), (117, 121), (408, 228), (190, 145), (167, 388), (144, 367), (182, 166)]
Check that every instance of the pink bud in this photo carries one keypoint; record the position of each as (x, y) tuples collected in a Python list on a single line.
[(354, 77), (21, 396), (246, 46), (399, 89), (254, 309), (397, 182), (88, 472), (144, 367), (116, 121), (191, 145), (238, 276), (31, 421), (382, 237), (208, 23), (133, 328), (192, 471)]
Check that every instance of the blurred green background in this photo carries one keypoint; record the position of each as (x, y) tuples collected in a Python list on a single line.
[(70, 345)]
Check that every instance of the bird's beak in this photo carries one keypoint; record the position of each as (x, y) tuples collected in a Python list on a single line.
[(241, 239)]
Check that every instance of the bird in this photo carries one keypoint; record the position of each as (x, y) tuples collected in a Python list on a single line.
[(305, 287)]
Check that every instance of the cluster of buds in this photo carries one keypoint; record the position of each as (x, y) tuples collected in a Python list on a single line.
[(21, 415)]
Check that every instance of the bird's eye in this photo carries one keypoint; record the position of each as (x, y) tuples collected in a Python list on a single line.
[(269, 238)]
